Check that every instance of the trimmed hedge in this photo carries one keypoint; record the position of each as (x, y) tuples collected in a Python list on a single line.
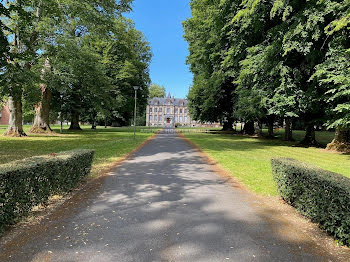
[(320, 195), (30, 182)]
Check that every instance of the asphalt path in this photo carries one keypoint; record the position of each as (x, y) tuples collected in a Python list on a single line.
[(163, 204)]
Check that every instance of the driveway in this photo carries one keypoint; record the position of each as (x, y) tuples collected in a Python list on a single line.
[(163, 204)]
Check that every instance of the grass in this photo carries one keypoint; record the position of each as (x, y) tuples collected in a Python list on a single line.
[(248, 159), (111, 144), (197, 128)]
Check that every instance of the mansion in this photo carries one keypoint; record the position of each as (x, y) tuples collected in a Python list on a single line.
[(168, 112)]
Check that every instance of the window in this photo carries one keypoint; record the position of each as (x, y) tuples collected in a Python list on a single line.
[(155, 109), (176, 119), (168, 110), (185, 111), (175, 110), (160, 118), (185, 119), (155, 119), (181, 111), (150, 109), (160, 109), (150, 118), (180, 119)]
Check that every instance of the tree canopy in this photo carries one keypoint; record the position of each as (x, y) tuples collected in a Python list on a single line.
[(260, 61), (77, 59), (156, 90)]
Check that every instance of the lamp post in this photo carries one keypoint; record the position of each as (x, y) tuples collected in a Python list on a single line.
[(135, 88), (60, 114)]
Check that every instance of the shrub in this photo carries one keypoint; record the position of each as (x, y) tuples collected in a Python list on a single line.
[(30, 182), (320, 195)]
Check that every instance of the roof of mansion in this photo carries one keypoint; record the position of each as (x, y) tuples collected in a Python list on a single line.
[(160, 101)]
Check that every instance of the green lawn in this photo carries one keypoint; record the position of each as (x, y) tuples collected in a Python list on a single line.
[(111, 144), (197, 128), (248, 159)]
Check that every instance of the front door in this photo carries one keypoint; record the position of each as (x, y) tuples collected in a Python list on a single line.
[(168, 120)]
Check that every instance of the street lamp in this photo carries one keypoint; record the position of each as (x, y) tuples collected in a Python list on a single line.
[(60, 114), (135, 88)]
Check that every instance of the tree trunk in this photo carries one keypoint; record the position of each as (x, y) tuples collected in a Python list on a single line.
[(42, 112), (341, 141), (259, 128), (249, 128), (105, 122), (310, 138), (61, 120), (288, 133), (15, 127), (93, 123), (228, 125), (270, 122), (74, 125)]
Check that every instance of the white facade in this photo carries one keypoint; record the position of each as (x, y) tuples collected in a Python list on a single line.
[(167, 112)]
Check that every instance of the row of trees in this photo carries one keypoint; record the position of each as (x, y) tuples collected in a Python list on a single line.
[(267, 60), (71, 59)]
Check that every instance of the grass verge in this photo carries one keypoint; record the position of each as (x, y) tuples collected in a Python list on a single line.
[(110, 145), (248, 159)]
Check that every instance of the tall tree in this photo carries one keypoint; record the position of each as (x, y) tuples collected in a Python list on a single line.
[(211, 96), (4, 45), (80, 56), (333, 74), (127, 56), (156, 90), (74, 20), (17, 75), (274, 57)]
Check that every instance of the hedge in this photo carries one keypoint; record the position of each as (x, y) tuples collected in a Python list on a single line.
[(320, 195), (30, 182)]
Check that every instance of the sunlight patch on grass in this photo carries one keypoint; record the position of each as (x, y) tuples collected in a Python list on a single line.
[(110, 144), (248, 159)]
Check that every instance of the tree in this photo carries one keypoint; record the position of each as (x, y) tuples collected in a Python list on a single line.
[(127, 56), (79, 58), (334, 75), (265, 85), (17, 76), (211, 96), (4, 45), (90, 18), (270, 59), (4, 51), (42, 108), (156, 90)]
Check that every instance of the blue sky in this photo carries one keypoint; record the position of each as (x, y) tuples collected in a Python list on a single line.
[(160, 21)]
